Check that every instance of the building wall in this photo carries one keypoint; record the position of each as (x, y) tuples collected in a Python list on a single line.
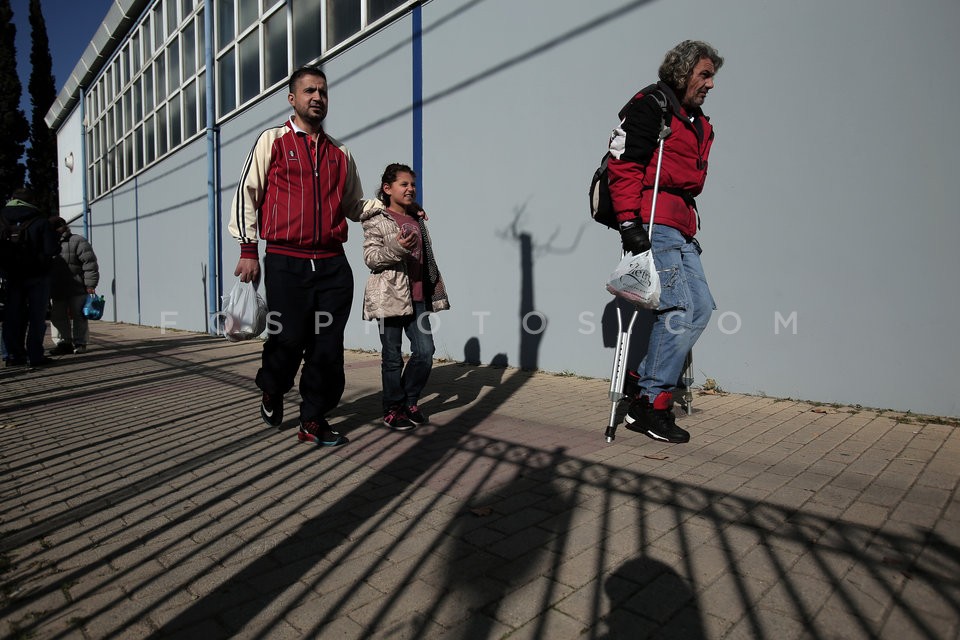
[(70, 181), (827, 224)]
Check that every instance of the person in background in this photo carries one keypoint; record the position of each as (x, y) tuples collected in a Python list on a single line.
[(404, 286), (74, 275), (29, 244), (297, 190)]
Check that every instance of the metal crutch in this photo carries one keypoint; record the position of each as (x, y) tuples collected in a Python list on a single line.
[(686, 378), (619, 373), (623, 340)]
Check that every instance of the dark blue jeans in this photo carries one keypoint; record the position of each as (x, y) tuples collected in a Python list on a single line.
[(25, 318), (402, 385)]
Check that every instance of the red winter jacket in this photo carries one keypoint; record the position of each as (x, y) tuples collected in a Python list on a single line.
[(296, 195), (633, 163)]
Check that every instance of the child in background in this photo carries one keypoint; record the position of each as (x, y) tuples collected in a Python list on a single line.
[(404, 287)]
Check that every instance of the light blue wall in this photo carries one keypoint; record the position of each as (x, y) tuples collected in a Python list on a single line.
[(70, 182), (827, 200)]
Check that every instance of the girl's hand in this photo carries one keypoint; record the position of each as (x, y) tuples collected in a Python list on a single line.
[(417, 211), (406, 240)]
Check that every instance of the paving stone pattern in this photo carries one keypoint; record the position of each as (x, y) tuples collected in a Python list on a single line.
[(141, 496)]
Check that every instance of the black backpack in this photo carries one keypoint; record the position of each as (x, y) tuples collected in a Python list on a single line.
[(18, 255), (601, 203)]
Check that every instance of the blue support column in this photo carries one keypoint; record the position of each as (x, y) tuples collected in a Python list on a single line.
[(418, 100), (214, 283)]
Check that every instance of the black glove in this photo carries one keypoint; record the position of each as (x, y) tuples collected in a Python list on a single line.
[(634, 238)]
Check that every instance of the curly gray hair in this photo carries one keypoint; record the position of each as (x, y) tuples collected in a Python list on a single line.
[(679, 62)]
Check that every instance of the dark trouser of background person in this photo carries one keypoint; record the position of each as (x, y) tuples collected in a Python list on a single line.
[(311, 300), (402, 385), (69, 328), (25, 319)]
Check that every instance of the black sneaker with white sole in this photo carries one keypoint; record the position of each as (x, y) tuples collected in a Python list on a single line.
[(659, 424), (271, 409)]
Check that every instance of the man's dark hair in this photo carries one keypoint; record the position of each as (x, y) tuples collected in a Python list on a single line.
[(307, 70)]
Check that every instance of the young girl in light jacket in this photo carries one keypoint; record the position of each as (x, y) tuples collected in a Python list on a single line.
[(404, 287)]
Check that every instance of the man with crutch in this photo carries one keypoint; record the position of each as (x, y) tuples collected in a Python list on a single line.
[(686, 75)]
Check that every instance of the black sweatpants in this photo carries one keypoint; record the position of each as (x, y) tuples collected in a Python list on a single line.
[(309, 302)]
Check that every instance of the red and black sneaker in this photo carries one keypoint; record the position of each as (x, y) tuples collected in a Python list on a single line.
[(320, 433), (396, 418), (416, 416)]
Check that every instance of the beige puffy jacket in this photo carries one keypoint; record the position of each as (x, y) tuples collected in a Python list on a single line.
[(387, 293)]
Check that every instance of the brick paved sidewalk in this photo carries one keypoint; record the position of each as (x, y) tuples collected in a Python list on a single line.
[(142, 496)]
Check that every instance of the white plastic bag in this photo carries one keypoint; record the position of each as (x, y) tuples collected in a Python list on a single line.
[(244, 314), (636, 279)]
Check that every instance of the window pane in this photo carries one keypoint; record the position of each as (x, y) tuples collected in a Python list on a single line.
[(123, 65), (190, 109), (161, 120), (186, 7), (137, 148), (189, 52), (172, 20), (173, 65), (225, 30), (379, 8), (306, 31), (127, 123), (121, 160), (175, 122), (249, 13), (94, 142), (275, 43), (160, 71), (149, 143), (343, 20), (135, 48), (148, 89), (201, 43), (128, 157), (160, 68), (146, 30), (201, 102), (249, 67), (226, 75), (108, 143), (158, 35), (136, 115)]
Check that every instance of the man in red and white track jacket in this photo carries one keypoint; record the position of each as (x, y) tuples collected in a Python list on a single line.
[(296, 192), (686, 304)]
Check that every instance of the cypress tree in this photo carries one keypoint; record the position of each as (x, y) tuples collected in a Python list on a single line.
[(13, 125), (42, 155)]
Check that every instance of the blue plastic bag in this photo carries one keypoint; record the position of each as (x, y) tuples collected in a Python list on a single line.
[(93, 308)]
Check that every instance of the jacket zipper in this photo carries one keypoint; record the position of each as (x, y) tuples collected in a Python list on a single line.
[(314, 161)]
